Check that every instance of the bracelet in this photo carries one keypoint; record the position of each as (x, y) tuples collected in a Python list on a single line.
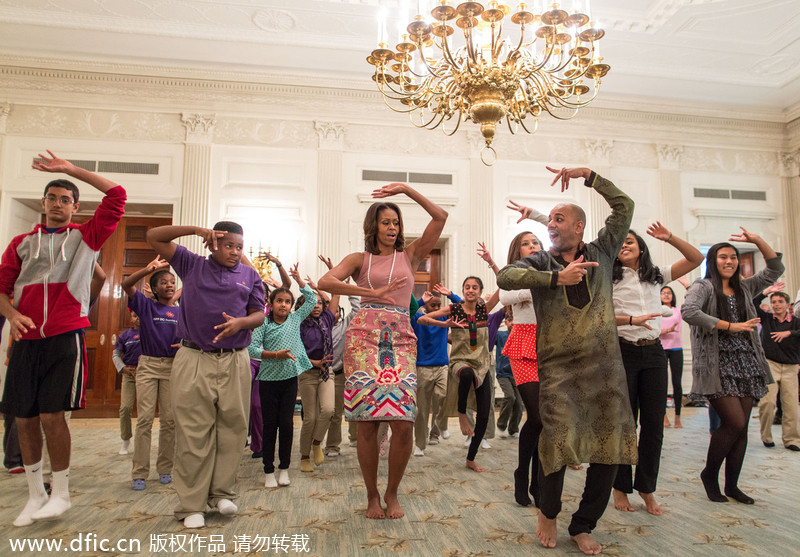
[(729, 326), (670, 237), (630, 320), (278, 264)]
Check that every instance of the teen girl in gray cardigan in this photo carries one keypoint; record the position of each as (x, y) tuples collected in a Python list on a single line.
[(728, 362)]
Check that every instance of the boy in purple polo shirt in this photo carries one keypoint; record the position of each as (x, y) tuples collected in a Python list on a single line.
[(126, 354), (158, 329), (222, 301)]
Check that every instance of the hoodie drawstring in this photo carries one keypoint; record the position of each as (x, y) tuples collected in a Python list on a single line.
[(38, 244), (63, 255)]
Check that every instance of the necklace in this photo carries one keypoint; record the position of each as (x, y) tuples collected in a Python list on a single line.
[(391, 271)]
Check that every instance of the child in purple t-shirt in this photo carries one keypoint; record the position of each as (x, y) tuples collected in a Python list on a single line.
[(158, 331), (222, 301), (126, 354)]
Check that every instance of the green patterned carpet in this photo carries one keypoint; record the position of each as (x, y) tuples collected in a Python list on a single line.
[(450, 510)]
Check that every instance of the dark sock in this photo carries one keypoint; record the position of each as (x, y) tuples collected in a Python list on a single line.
[(739, 495), (711, 485), (521, 488)]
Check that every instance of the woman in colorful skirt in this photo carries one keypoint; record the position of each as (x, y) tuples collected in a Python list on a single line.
[(728, 362), (380, 346)]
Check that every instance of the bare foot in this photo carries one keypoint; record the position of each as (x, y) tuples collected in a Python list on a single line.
[(678, 424), (587, 545), (650, 502), (472, 466), (393, 509), (546, 530), (466, 429), (621, 502), (374, 509), (666, 421)]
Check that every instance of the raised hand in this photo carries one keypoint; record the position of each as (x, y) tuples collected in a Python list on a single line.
[(426, 297), (745, 236), (775, 287), (231, 326), (272, 282), (484, 254), (52, 164), (210, 237), (659, 231), (157, 264), (567, 174), (524, 212), (575, 271), (294, 272), (312, 284), (641, 320), (272, 258), (440, 289), (389, 190), (327, 261)]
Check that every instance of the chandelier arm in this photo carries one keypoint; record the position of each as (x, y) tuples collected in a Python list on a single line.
[(422, 123), (458, 123), (441, 119), (396, 95), (510, 128), (470, 47), (524, 127), (448, 55), (521, 38), (431, 70)]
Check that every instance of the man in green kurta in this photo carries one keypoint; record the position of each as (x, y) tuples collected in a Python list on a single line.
[(583, 401)]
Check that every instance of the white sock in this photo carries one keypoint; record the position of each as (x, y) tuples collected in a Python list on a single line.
[(59, 497), (37, 496), (283, 477), (270, 480)]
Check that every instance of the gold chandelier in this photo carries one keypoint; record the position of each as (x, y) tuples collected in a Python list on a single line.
[(550, 63)]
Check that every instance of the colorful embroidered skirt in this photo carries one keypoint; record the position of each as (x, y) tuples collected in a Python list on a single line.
[(380, 358)]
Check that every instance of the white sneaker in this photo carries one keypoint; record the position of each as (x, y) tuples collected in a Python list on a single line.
[(445, 434), (332, 454), (467, 442), (226, 507), (270, 480), (194, 521), (418, 451), (126, 445), (485, 444), (433, 441), (502, 433), (515, 435), (283, 477)]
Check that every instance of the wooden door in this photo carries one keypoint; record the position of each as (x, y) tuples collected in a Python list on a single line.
[(125, 252), (428, 273)]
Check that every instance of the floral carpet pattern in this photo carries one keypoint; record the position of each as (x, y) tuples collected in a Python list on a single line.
[(450, 511)]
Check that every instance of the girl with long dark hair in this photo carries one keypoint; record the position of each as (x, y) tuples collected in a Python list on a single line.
[(672, 343), (638, 309), (279, 348), (728, 362)]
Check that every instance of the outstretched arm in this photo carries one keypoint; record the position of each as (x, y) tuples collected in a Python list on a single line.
[(528, 213), (692, 258), (484, 254), (161, 238), (334, 280), (55, 164)]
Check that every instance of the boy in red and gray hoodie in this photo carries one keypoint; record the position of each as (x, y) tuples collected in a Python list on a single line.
[(48, 273)]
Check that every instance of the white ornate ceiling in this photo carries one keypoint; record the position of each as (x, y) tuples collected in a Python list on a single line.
[(681, 54)]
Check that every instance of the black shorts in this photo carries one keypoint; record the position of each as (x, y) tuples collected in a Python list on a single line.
[(46, 376)]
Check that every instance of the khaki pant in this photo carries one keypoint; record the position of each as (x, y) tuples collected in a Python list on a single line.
[(127, 396), (334, 440), (317, 397), (785, 376), (431, 382), (153, 385), (211, 405)]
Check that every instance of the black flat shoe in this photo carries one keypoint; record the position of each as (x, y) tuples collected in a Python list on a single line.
[(793, 448), (771, 444)]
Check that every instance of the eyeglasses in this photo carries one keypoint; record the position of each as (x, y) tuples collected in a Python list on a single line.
[(63, 200)]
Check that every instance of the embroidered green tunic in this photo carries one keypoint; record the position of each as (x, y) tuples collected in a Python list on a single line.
[(583, 396)]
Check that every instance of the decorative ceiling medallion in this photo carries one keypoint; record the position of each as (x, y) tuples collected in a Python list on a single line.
[(275, 21)]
